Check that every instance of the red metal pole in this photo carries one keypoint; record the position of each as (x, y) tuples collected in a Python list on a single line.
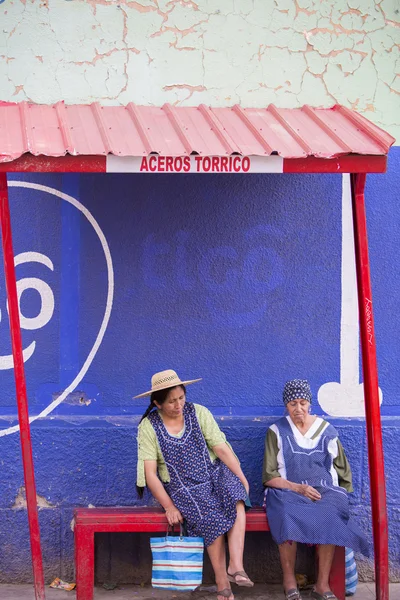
[(371, 394), (20, 385)]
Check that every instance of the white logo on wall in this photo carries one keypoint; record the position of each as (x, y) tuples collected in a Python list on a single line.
[(346, 399), (46, 308), (47, 299)]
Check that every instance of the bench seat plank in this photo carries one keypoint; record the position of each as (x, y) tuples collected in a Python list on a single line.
[(100, 518)]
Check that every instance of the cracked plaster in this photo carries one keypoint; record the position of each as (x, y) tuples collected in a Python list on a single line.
[(21, 504), (254, 52)]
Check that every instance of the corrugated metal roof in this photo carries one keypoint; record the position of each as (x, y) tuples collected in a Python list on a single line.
[(59, 129)]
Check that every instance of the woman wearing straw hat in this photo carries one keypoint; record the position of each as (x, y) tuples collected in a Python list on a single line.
[(308, 478), (189, 467)]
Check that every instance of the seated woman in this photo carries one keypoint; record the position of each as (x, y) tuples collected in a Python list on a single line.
[(308, 478), (188, 466)]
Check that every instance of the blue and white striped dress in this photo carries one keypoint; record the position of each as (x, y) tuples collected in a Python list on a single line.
[(291, 516)]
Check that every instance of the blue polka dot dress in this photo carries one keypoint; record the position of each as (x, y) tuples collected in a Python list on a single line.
[(294, 517), (205, 492)]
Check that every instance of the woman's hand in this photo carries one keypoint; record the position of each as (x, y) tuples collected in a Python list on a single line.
[(173, 515), (308, 491)]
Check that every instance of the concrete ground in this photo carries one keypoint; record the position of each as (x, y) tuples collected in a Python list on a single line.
[(365, 591)]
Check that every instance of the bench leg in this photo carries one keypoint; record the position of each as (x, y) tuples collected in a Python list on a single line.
[(337, 578), (84, 562)]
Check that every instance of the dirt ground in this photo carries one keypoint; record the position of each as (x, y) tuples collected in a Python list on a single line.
[(365, 591)]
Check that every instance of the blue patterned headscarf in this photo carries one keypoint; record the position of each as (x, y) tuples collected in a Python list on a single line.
[(296, 389)]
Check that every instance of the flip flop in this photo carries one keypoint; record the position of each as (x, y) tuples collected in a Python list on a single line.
[(326, 596), (293, 594), (225, 593), (241, 582)]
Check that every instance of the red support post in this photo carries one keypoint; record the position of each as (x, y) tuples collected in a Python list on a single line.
[(84, 562), (371, 393), (337, 577), (20, 385)]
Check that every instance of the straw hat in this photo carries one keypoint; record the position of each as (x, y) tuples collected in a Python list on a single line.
[(165, 379)]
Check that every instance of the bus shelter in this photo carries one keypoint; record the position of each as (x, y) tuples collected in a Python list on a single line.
[(168, 139)]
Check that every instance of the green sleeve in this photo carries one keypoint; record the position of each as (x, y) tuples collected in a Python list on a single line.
[(271, 450), (147, 441), (342, 468), (209, 427), (147, 449)]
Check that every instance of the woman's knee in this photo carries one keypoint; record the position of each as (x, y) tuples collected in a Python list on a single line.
[(240, 513)]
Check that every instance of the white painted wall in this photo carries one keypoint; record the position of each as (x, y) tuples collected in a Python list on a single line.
[(220, 52)]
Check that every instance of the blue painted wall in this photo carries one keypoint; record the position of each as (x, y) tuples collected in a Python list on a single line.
[(233, 279)]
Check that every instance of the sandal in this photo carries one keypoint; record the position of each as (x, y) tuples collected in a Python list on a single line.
[(293, 594), (241, 582), (225, 593), (326, 596)]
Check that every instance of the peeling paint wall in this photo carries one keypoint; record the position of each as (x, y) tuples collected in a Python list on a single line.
[(219, 52)]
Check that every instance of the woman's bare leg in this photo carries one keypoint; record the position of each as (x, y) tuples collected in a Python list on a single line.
[(236, 541), (287, 554), (217, 554), (325, 559)]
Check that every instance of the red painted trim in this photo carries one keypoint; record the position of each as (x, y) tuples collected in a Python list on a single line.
[(146, 519), (55, 164), (20, 385), (84, 562), (337, 577), (371, 394), (97, 164), (352, 163)]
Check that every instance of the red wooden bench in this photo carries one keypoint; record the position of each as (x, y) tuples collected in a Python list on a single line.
[(89, 521)]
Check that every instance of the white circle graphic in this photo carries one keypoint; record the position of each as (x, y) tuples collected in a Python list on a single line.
[(46, 309), (109, 301)]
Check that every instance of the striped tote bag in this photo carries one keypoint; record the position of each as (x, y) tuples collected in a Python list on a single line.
[(351, 573), (177, 562)]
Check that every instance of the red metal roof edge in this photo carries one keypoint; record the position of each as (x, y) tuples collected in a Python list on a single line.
[(59, 129), (350, 163)]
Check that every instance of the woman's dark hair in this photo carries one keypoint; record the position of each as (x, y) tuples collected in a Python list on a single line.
[(159, 397)]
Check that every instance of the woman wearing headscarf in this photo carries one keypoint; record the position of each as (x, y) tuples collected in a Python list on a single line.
[(308, 478), (189, 467)]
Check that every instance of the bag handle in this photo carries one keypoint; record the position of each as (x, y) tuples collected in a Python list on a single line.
[(183, 529)]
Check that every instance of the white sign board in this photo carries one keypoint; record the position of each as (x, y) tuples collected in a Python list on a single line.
[(194, 164)]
